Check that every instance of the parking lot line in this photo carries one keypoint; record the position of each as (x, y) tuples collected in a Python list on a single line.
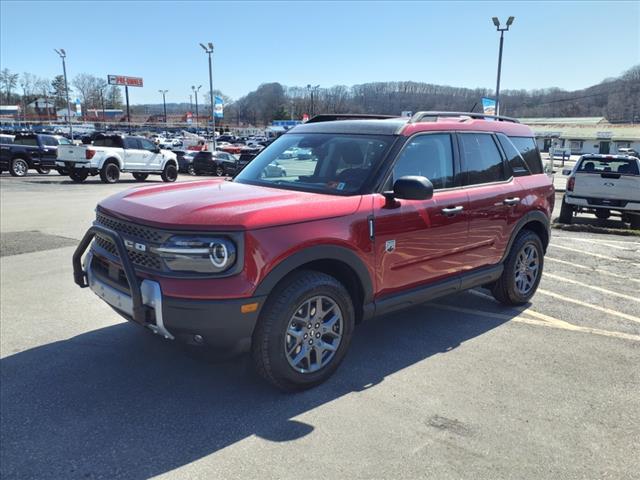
[(599, 270), (546, 321), (592, 287), (608, 243), (589, 305), (575, 250)]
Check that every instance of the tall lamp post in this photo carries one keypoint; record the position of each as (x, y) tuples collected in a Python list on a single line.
[(164, 104), (311, 90), (63, 55), (209, 50), (496, 22), (195, 92)]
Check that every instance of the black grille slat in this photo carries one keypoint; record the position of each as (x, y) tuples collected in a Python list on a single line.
[(138, 258), (129, 228)]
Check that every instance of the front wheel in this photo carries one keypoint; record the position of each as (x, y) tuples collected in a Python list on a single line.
[(566, 213), (141, 177), (191, 169), (43, 170), (522, 270), (219, 171), (78, 176), (19, 167), (170, 173), (303, 332)]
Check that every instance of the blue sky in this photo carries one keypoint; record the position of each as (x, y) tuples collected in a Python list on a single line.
[(570, 45)]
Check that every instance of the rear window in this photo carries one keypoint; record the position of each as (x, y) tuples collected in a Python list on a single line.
[(527, 148), (608, 165), (107, 142), (29, 141)]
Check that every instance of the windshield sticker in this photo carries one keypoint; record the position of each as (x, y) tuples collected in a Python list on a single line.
[(341, 186)]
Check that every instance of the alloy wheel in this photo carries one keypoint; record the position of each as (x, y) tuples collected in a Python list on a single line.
[(527, 268)]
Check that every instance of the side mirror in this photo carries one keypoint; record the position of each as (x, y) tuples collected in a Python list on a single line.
[(157, 150), (566, 171), (411, 187)]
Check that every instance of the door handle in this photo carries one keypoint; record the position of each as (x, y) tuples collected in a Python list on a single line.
[(511, 201), (452, 210)]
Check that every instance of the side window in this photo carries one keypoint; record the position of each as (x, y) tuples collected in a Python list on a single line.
[(147, 145), (514, 158), (430, 156), (482, 158), (131, 143), (529, 151), (49, 142)]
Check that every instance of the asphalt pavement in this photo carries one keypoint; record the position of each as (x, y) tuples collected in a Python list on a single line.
[(457, 388)]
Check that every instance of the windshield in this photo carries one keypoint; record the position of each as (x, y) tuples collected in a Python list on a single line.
[(606, 165), (329, 163)]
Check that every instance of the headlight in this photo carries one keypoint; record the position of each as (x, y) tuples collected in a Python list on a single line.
[(198, 254)]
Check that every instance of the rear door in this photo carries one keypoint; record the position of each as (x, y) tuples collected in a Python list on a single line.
[(419, 241), (495, 198)]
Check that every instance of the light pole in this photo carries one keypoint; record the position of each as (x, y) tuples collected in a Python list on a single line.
[(63, 55), (209, 50), (496, 22), (164, 104), (195, 92), (311, 90)]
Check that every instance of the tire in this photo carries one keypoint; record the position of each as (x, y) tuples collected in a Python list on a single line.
[(219, 171), (141, 177), (269, 341), (19, 167), (634, 220), (43, 170), (506, 289), (63, 171), (78, 176), (191, 169), (602, 214), (170, 173), (110, 172), (566, 213)]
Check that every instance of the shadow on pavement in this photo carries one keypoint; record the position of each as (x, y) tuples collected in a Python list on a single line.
[(120, 402)]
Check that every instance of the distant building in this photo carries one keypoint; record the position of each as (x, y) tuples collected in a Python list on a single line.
[(9, 111), (584, 134)]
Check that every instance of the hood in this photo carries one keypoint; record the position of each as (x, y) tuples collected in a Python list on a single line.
[(224, 205)]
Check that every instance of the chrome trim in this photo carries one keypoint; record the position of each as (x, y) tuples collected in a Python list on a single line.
[(181, 251), (151, 297)]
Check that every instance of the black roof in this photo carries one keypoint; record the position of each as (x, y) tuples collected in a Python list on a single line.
[(391, 126)]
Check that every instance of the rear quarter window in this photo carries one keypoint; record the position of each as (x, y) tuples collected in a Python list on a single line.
[(529, 151), (108, 142), (29, 141)]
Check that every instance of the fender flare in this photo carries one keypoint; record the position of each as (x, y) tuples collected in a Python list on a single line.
[(318, 252), (109, 158), (535, 216), (168, 160)]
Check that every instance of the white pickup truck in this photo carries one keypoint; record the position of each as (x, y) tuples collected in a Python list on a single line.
[(603, 185), (109, 155)]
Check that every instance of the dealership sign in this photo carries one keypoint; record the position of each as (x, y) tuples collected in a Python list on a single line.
[(124, 81)]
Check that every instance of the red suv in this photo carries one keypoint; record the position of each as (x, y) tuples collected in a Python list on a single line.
[(379, 214)]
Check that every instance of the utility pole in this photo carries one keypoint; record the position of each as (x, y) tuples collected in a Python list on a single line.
[(195, 92), (63, 54), (496, 22), (209, 50), (164, 103)]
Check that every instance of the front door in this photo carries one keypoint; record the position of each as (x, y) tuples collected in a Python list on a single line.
[(604, 148), (152, 156), (419, 241)]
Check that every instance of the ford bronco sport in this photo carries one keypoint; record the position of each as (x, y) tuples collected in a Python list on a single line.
[(385, 213)]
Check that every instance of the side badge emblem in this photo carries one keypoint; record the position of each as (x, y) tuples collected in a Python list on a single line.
[(390, 246)]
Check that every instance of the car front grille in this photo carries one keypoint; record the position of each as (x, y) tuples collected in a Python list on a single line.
[(129, 229)]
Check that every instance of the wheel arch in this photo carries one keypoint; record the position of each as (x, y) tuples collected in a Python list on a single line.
[(113, 159), (536, 222), (339, 262)]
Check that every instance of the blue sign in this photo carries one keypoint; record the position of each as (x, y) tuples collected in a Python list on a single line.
[(488, 106), (218, 109)]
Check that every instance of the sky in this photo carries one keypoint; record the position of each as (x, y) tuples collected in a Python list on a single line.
[(570, 45)]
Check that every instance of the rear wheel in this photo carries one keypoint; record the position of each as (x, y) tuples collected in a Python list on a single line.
[(634, 220), (141, 177), (110, 173), (170, 173), (43, 170), (219, 171), (78, 176), (191, 170), (303, 332), (602, 214), (19, 167), (522, 270), (566, 212)]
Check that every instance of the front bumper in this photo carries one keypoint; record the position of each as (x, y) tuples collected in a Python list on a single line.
[(221, 324)]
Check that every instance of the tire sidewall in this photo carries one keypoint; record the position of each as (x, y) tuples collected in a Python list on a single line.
[(279, 363), (527, 238), (17, 161), (170, 173), (111, 173)]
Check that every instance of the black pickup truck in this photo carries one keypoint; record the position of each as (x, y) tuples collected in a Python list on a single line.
[(30, 151)]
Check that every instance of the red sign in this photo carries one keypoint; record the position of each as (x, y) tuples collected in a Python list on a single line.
[(123, 80)]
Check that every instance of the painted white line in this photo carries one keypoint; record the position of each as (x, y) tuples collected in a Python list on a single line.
[(592, 287), (632, 246), (597, 255), (589, 305), (542, 321), (598, 271), (599, 240)]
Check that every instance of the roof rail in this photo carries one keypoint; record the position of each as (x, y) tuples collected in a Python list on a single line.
[(432, 116), (329, 117)]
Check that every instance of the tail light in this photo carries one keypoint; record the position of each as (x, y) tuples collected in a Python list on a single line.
[(88, 153), (571, 183)]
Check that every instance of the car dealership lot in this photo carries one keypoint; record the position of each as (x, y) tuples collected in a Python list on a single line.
[(458, 388)]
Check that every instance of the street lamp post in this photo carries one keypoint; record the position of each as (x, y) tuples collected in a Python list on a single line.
[(496, 22), (311, 90), (164, 104), (63, 55), (195, 92), (209, 50)]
